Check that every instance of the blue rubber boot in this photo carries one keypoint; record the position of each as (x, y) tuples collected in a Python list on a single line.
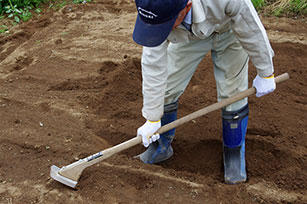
[(234, 131), (162, 150)]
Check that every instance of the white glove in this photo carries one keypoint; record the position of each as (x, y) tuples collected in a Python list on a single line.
[(264, 85), (147, 132)]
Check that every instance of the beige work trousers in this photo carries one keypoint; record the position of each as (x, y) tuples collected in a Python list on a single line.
[(230, 66)]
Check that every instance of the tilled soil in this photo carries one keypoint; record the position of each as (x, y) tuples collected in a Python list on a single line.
[(70, 86)]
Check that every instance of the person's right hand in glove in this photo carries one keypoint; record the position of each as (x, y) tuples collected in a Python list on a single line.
[(147, 132)]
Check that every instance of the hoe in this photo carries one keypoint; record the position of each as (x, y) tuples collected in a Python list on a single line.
[(70, 174)]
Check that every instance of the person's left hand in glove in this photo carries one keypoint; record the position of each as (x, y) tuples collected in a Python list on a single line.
[(264, 85)]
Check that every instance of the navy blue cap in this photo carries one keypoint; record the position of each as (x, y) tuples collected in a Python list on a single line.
[(155, 20)]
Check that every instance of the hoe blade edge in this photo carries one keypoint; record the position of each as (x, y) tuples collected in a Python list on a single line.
[(54, 173)]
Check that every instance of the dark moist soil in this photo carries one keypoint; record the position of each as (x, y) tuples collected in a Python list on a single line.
[(70, 86)]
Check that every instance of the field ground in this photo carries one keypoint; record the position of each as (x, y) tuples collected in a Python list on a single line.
[(70, 86)]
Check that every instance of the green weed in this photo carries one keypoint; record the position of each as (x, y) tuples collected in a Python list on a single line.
[(3, 28), (18, 10), (288, 8), (258, 4), (80, 1)]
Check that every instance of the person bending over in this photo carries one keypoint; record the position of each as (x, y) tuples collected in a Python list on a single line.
[(176, 35)]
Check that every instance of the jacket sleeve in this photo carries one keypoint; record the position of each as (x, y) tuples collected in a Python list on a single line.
[(250, 32), (154, 73)]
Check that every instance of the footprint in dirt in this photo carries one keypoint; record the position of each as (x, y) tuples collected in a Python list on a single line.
[(202, 157)]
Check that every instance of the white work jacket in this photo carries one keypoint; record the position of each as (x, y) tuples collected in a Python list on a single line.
[(208, 16)]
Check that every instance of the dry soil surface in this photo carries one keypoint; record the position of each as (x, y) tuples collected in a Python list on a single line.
[(70, 86)]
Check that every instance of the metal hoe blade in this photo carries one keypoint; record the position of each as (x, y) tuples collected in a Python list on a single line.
[(54, 173)]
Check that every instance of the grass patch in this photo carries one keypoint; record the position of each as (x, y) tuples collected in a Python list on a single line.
[(258, 4), (23, 10), (287, 8), (19, 10), (13, 12)]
